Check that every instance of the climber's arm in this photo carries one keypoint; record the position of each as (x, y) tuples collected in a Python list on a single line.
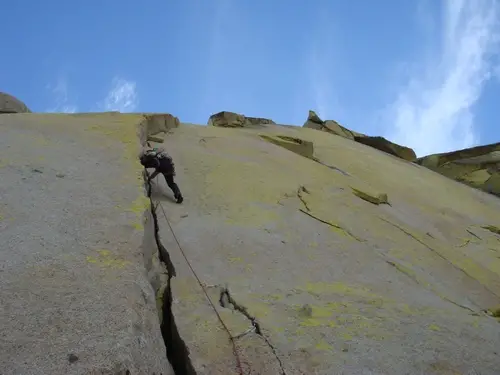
[(154, 174)]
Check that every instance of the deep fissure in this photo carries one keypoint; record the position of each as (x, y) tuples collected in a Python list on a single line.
[(176, 350), (225, 298)]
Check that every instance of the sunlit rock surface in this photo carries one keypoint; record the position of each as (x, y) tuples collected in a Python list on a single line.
[(74, 293), (478, 167), (300, 253), (349, 260), (380, 143)]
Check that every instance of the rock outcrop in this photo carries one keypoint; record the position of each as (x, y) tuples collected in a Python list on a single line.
[(478, 167), (297, 145), (155, 126), (234, 120), (329, 126), (9, 104), (380, 143), (291, 254)]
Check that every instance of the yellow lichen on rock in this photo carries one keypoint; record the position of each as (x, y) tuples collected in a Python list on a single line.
[(76, 188), (478, 167), (494, 311), (297, 145), (341, 267), (275, 251), (375, 198), (492, 229)]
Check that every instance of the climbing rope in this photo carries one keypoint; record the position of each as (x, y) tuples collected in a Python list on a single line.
[(231, 338)]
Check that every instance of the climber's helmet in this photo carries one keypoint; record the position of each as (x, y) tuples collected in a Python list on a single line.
[(147, 156)]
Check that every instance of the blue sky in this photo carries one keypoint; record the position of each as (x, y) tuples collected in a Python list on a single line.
[(423, 73)]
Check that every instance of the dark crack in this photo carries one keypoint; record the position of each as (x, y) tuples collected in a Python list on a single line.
[(416, 280), (331, 224), (300, 190), (439, 255), (331, 167), (176, 350), (474, 234), (227, 301)]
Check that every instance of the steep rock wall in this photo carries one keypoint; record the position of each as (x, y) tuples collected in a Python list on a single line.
[(297, 259), (77, 269), (293, 253)]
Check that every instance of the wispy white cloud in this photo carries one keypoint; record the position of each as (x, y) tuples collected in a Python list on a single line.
[(434, 111), (320, 85), (323, 66), (121, 97), (61, 99), (217, 42)]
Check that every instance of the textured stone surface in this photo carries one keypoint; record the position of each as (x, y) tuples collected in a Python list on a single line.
[(314, 122), (478, 167), (382, 144), (318, 254), (294, 144), (336, 284), (74, 294), (9, 104), (234, 120), (159, 123), (259, 121)]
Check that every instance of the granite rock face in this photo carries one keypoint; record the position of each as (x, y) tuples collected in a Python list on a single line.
[(330, 126), (77, 249), (9, 104), (321, 255), (380, 143), (478, 167), (293, 253), (234, 120)]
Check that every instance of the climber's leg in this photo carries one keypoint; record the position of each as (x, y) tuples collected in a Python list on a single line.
[(173, 186)]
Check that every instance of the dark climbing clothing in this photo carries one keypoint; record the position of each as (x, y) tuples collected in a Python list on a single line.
[(162, 163), (173, 186)]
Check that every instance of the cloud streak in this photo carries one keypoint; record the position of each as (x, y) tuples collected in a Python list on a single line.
[(61, 100), (122, 96), (319, 66), (434, 110)]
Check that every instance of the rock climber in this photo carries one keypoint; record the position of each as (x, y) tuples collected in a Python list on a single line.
[(162, 163)]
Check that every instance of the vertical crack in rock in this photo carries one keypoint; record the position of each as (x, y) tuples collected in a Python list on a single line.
[(300, 190), (227, 301), (176, 350)]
